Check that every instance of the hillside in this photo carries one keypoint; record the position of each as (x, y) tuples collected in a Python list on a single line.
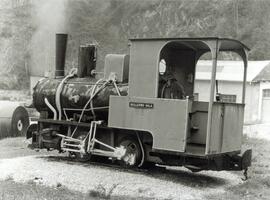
[(109, 23)]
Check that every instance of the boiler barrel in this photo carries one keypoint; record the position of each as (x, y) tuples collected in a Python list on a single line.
[(75, 93), (14, 119)]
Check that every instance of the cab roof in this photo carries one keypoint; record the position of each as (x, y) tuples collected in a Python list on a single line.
[(226, 44)]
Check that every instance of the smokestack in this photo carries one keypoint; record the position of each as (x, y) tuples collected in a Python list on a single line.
[(60, 56)]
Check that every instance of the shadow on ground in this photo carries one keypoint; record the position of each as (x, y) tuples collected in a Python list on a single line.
[(179, 175)]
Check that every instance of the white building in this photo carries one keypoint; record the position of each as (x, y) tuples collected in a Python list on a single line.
[(230, 77)]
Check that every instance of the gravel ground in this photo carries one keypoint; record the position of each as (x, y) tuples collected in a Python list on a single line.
[(17, 147), (257, 187), (259, 131), (44, 171), (168, 185), (10, 190), (174, 183)]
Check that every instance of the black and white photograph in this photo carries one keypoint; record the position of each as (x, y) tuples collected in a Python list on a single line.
[(134, 99)]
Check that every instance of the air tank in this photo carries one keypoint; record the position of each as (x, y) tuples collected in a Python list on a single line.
[(14, 119)]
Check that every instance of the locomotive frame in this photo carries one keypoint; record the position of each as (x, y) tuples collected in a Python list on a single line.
[(156, 122)]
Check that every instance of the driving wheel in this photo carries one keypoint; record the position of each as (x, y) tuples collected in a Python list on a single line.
[(133, 154)]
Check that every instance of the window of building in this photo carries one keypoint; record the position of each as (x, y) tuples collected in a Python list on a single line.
[(229, 98), (266, 93), (196, 96)]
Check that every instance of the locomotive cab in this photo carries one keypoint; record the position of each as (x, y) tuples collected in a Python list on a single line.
[(161, 102)]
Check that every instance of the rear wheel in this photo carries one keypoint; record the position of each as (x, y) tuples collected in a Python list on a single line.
[(133, 155)]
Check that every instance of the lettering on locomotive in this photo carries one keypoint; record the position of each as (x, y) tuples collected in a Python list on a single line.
[(141, 105)]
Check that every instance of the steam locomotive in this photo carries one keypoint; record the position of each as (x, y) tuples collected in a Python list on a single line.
[(142, 111)]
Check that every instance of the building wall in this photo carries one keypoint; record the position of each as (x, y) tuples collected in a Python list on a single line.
[(252, 102), (262, 86), (225, 87), (233, 88)]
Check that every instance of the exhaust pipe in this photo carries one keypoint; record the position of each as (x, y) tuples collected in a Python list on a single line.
[(60, 56)]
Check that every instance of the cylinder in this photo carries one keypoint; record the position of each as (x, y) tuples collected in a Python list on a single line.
[(60, 54), (14, 119), (86, 60)]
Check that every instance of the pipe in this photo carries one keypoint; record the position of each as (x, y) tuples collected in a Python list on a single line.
[(93, 94), (59, 90), (51, 108), (141, 145), (244, 78), (214, 51), (60, 57)]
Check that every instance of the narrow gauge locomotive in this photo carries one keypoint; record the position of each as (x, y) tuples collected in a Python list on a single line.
[(142, 110)]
